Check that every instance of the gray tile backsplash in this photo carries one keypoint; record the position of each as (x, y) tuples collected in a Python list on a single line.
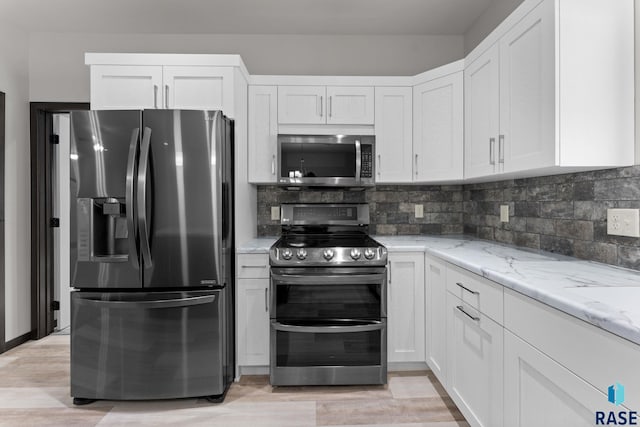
[(566, 214)]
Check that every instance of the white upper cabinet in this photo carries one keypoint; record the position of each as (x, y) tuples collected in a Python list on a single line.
[(527, 83), (551, 90), (126, 87), (196, 88), (481, 111), (313, 105), (350, 105), (438, 129), (301, 105), (145, 81), (394, 142), (263, 133)]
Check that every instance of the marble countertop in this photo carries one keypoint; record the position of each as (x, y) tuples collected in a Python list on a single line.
[(603, 295), (260, 245)]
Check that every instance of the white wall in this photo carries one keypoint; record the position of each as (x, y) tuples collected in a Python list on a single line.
[(488, 21), (14, 82), (58, 73)]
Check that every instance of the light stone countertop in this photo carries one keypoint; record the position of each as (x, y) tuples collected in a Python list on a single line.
[(603, 295)]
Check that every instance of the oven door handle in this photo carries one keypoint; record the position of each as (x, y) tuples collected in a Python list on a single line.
[(333, 329), (337, 279)]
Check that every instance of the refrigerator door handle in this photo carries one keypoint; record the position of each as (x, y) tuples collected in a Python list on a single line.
[(142, 198), (129, 202), (170, 303), (217, 189)]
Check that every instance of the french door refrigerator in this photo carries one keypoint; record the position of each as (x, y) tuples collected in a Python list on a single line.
[(151, 254)]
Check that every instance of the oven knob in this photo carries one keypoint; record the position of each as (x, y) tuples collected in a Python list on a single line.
[(355, 253), (286, 253), (369, 253), (327, 254), (302, 254)]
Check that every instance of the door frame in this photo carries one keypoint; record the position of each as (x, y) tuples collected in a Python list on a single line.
[(42, 250)]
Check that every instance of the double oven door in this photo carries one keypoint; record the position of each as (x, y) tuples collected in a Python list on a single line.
[(328, 326)]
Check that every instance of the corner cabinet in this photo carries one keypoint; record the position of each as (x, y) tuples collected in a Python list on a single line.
[(435, 317), (438, 124), (263, 134), (313, 105), (405, 307), (538, 103)]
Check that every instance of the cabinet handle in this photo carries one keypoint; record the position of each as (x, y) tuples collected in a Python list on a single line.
[(379, 163), (501, 149), (155, 96), (253, 266), (166, 96), (330, 106), (273, 164), (474, 318), (492, 143), (389, 283), (416, 163), (321, 105), (467, 289), (266, 299)]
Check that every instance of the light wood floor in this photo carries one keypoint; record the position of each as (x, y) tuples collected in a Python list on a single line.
[(34, 391)]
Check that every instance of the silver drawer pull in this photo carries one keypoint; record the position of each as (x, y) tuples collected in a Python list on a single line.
[(253, 266), (467, 289), (474, 318)]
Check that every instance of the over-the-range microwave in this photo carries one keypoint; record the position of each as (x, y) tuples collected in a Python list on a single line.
[(326, 160)]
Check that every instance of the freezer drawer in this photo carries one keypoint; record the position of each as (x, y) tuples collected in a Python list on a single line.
[(147, 345)]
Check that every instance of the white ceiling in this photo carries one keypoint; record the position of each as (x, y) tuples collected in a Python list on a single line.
[(416, 17)]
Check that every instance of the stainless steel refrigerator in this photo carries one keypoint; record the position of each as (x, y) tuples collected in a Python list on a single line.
[(151, 254)]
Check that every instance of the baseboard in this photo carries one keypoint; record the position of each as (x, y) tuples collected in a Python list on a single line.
[(406, 366), (17, 341)]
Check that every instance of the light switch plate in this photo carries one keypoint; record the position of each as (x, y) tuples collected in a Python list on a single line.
[(504, 213), (419, 211), (275, 213), (623, 222)]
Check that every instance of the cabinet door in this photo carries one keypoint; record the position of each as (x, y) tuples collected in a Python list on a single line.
[(394, 146), (253, 322), (527, 87), (542, 392), (198, 88), (435, 317), (263, 133), (126, 87), (301, 105), (481, 112), (350, 105), (474, 364), (438, 143), (405, 307)]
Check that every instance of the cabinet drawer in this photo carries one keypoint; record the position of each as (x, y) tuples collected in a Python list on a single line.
[(252, 266), (477, 292)]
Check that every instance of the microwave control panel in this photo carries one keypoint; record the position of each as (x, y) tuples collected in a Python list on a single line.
[(366, 168)]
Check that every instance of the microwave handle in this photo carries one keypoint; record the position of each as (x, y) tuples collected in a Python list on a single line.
[(358, 160)]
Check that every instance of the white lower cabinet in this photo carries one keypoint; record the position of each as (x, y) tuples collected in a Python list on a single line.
[(253, 322), (541, 392), (435, 316), (474, 363), (405, 307)]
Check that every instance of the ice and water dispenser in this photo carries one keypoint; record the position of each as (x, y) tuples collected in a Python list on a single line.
[(102, 230)]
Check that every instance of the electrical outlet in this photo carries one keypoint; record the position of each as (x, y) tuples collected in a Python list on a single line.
[(419, 211), (275, 213), (504, 213), (623, 222)]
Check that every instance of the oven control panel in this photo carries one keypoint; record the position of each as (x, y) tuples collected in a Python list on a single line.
[(327, 256)]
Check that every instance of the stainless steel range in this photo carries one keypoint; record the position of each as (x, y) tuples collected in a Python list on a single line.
[(328, 298)]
